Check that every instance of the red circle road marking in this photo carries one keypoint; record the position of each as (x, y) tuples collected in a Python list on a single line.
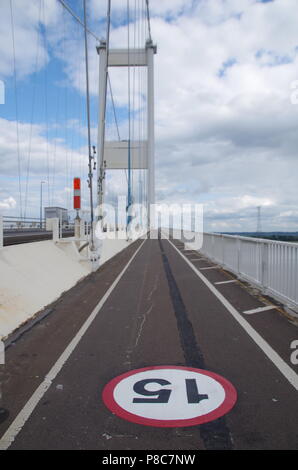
[(227, 404)]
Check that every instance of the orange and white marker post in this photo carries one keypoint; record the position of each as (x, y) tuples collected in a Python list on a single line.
[(77, 193), (77, 205)]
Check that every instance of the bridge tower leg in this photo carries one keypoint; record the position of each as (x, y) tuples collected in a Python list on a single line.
[(150, 125), (102, 51)]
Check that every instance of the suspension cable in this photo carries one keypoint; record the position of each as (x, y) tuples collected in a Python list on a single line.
[(113, 106), (134, 84), (16, 107), (139, 110), (77, 18), (32, 110), (46, 103), (102, 169), (129, 195), (88, 124), (148, 19)]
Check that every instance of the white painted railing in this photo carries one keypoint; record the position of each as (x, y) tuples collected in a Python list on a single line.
[(270, 265)]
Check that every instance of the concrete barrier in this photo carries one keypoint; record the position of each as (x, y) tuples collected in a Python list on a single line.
[(33, 275)]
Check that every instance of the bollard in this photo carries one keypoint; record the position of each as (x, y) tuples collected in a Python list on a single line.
[(55, 228), (3, 412), (77, 228), (82, 228), (1, 231), (2, 353)]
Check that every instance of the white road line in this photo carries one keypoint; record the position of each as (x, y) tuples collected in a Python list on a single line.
[(209, 267), (18, 423), (259, 309), (197, 259), (226, 282), (281, 365)]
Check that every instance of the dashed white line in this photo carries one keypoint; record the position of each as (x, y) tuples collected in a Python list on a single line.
[(259, 309), (209, 267), (279, 363), (226, 282)]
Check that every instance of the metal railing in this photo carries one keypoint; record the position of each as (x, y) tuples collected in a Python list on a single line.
[(11, 223), (14, 230), (270, 265)]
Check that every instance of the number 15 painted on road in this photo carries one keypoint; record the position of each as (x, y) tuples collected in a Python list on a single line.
[(169, 396), (163, 395)]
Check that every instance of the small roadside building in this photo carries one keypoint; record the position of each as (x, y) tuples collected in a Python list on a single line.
[(56, 212)]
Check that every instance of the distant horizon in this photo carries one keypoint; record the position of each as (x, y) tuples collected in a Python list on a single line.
[(262, 231)]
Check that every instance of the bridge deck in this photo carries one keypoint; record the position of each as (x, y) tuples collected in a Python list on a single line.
[(161, 312)]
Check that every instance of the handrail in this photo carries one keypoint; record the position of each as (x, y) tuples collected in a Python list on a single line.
[(253, 239), (271, 265)]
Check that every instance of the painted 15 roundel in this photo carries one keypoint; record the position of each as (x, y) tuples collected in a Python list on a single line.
[(169, 396)]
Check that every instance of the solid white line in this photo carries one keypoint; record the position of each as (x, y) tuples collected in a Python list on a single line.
[(209, 267), (281, 365), (259, 309), (18, 423), (226, 282)]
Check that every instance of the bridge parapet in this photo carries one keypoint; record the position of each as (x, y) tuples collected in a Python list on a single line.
[(269, 264)]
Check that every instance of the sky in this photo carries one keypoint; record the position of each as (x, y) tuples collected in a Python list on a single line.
[(226, 112)]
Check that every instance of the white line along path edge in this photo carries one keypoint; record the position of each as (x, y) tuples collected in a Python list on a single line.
[(226, 282), (259, 309), (18, 423), (282, 366)]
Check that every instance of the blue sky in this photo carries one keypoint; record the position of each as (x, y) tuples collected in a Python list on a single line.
[(225, 124), (49, 98)]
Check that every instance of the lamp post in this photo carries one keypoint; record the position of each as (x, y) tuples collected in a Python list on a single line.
[(41, 183)]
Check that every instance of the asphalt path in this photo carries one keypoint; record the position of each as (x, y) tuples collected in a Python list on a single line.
[(152, 305)]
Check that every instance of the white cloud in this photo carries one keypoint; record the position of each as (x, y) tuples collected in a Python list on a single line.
[(226, 131), (8, 203), (27, 19), (51, 160)]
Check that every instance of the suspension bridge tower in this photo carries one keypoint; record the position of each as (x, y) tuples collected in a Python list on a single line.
[(127, 154)]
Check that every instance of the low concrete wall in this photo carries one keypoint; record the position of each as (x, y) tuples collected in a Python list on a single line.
[(33, 275)]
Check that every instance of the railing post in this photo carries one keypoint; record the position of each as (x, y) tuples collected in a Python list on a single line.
[(264, 264), (82, 228), (238, 254), (2, 360), (77, 228), (55, 227), (60, 227), (223, 249)]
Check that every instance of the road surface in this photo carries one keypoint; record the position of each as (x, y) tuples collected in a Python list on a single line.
[(154, 304)]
